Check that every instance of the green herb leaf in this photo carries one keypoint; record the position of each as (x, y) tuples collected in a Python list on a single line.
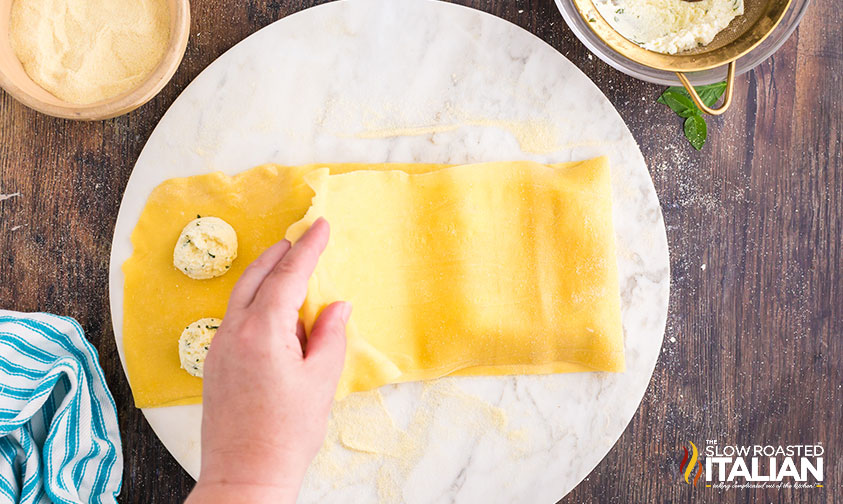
[(681, 104), (709, 94), (696, 130), (679, 101)]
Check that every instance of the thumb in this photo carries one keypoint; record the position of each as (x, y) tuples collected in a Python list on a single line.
[(326, 344)]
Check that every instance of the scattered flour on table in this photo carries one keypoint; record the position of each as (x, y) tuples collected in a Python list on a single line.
[(4, 197)]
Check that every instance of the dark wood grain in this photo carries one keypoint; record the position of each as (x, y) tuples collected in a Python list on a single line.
[(753, 351)]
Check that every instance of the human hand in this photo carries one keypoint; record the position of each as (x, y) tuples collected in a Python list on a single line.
[(268, 388)]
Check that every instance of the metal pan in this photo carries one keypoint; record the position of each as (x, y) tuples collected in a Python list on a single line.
[(741, 36)]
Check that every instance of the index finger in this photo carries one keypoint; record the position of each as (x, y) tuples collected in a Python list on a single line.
[(250, 281), (285, 287)]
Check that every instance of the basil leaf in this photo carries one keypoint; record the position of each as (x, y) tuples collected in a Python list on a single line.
[(678, 103), (696, 131), (709, 94)]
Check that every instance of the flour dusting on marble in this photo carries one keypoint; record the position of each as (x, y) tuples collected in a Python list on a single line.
[(381, 118), (533, 136), (363, 436)]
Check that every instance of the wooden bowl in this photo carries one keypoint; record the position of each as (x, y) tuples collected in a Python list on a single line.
[(17, 83)]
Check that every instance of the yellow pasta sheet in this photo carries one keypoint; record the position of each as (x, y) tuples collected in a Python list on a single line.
[(492, 268), (496, 268)]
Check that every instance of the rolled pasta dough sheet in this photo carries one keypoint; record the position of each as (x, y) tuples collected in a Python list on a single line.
[(495, 268)]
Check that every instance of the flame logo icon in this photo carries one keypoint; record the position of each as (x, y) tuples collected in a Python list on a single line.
[(687, 466)]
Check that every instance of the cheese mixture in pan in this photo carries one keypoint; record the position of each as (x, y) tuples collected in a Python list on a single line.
[(669, 26)]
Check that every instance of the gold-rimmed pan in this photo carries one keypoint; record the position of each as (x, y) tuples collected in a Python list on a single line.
[(742, 35)]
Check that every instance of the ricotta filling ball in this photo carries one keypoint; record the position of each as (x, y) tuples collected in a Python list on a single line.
[(206, 248), (669, 26), (194, 343)]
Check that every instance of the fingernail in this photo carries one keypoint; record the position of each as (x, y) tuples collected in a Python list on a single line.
[(345, 312)]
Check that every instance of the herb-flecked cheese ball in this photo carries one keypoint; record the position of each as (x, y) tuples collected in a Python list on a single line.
[(194, 343), (206, 248)]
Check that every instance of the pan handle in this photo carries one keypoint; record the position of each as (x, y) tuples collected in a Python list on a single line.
[(727, 99)]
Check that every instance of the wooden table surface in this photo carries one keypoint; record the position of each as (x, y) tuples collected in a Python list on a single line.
[(753, 352)]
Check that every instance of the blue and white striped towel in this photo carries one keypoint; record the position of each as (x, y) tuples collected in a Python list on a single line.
[(59, 439)]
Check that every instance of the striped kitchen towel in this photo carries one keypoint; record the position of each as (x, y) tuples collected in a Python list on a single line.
[(59, 439)]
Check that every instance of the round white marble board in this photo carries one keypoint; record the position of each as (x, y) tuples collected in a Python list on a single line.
[(424, 81)]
